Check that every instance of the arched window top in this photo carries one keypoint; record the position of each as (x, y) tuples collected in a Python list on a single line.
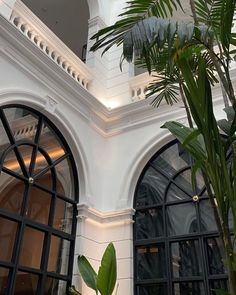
[(33, 147), (167, 178)]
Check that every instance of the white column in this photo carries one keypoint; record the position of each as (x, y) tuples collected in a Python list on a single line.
[(98, 64), (95, 230)]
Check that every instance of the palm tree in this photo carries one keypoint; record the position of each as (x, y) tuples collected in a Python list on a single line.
[(185, 57)]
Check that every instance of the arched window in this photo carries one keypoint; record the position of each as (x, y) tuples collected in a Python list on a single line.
[(38, 197), (176, 243)]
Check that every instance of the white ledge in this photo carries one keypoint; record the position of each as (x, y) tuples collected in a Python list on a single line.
[(124, 216)]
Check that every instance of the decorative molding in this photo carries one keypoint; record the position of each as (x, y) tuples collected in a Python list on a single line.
[(96, 21), (40, 35), (139, 84), (124, 216), (51, 104), (36, 64)]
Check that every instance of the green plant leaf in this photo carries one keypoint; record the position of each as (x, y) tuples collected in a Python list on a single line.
[(107, 273), (220, 292), (183, 133), (73, 291), (87, 272)]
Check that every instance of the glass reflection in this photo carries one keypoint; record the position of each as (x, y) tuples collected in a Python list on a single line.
[(32, 248), (55, 287), (11, 162), (159, 289), (181, 219), (186, 259), (151, 262), (3, 280), (22, 123), (207, 218), (38, 205), (11, 193), (4, 140), (215, 256), (26, 153), (149, 224), (51, 143), (8, 230), (183, 180), (65, 184), (151, 189), (189, 288), (63, 216), (26, 283), (172, 159), (59, 255), (176, 194)]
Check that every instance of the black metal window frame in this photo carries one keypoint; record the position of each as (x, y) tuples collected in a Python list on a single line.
[(21, 219), (166, 240)]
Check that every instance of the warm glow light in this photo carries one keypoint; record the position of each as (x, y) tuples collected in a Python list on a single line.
[(111, 224), (14, 165), (112, 104)]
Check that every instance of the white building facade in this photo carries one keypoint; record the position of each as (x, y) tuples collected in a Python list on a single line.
[(75, 140)]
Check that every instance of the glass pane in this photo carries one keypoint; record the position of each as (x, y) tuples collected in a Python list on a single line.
[(22, 122), (176, 194), (200, 182), (65, 179), (63, 216), (4, 272), (4, 141), (215, 256), (55, 287), (189, 288), (45, 180), (186, 259), (149, 224), (8, 230), (26, 153), (40, 163), (151, 189), (11, 193), (39, 205), (172, 160), (11, 162), (31, 248), (183, 180), (208, 222), (26, 283), (181, 219), (151, 262), (59, 255), (218, 285), (159, 289), (51, 143)]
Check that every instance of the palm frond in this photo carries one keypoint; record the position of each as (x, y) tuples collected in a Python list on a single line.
[(134, 12), (164, 88)]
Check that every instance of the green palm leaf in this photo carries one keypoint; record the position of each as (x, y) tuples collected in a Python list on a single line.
[(87, 272), (107, 273)]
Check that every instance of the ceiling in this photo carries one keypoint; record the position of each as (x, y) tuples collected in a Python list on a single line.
[(68, 19)]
